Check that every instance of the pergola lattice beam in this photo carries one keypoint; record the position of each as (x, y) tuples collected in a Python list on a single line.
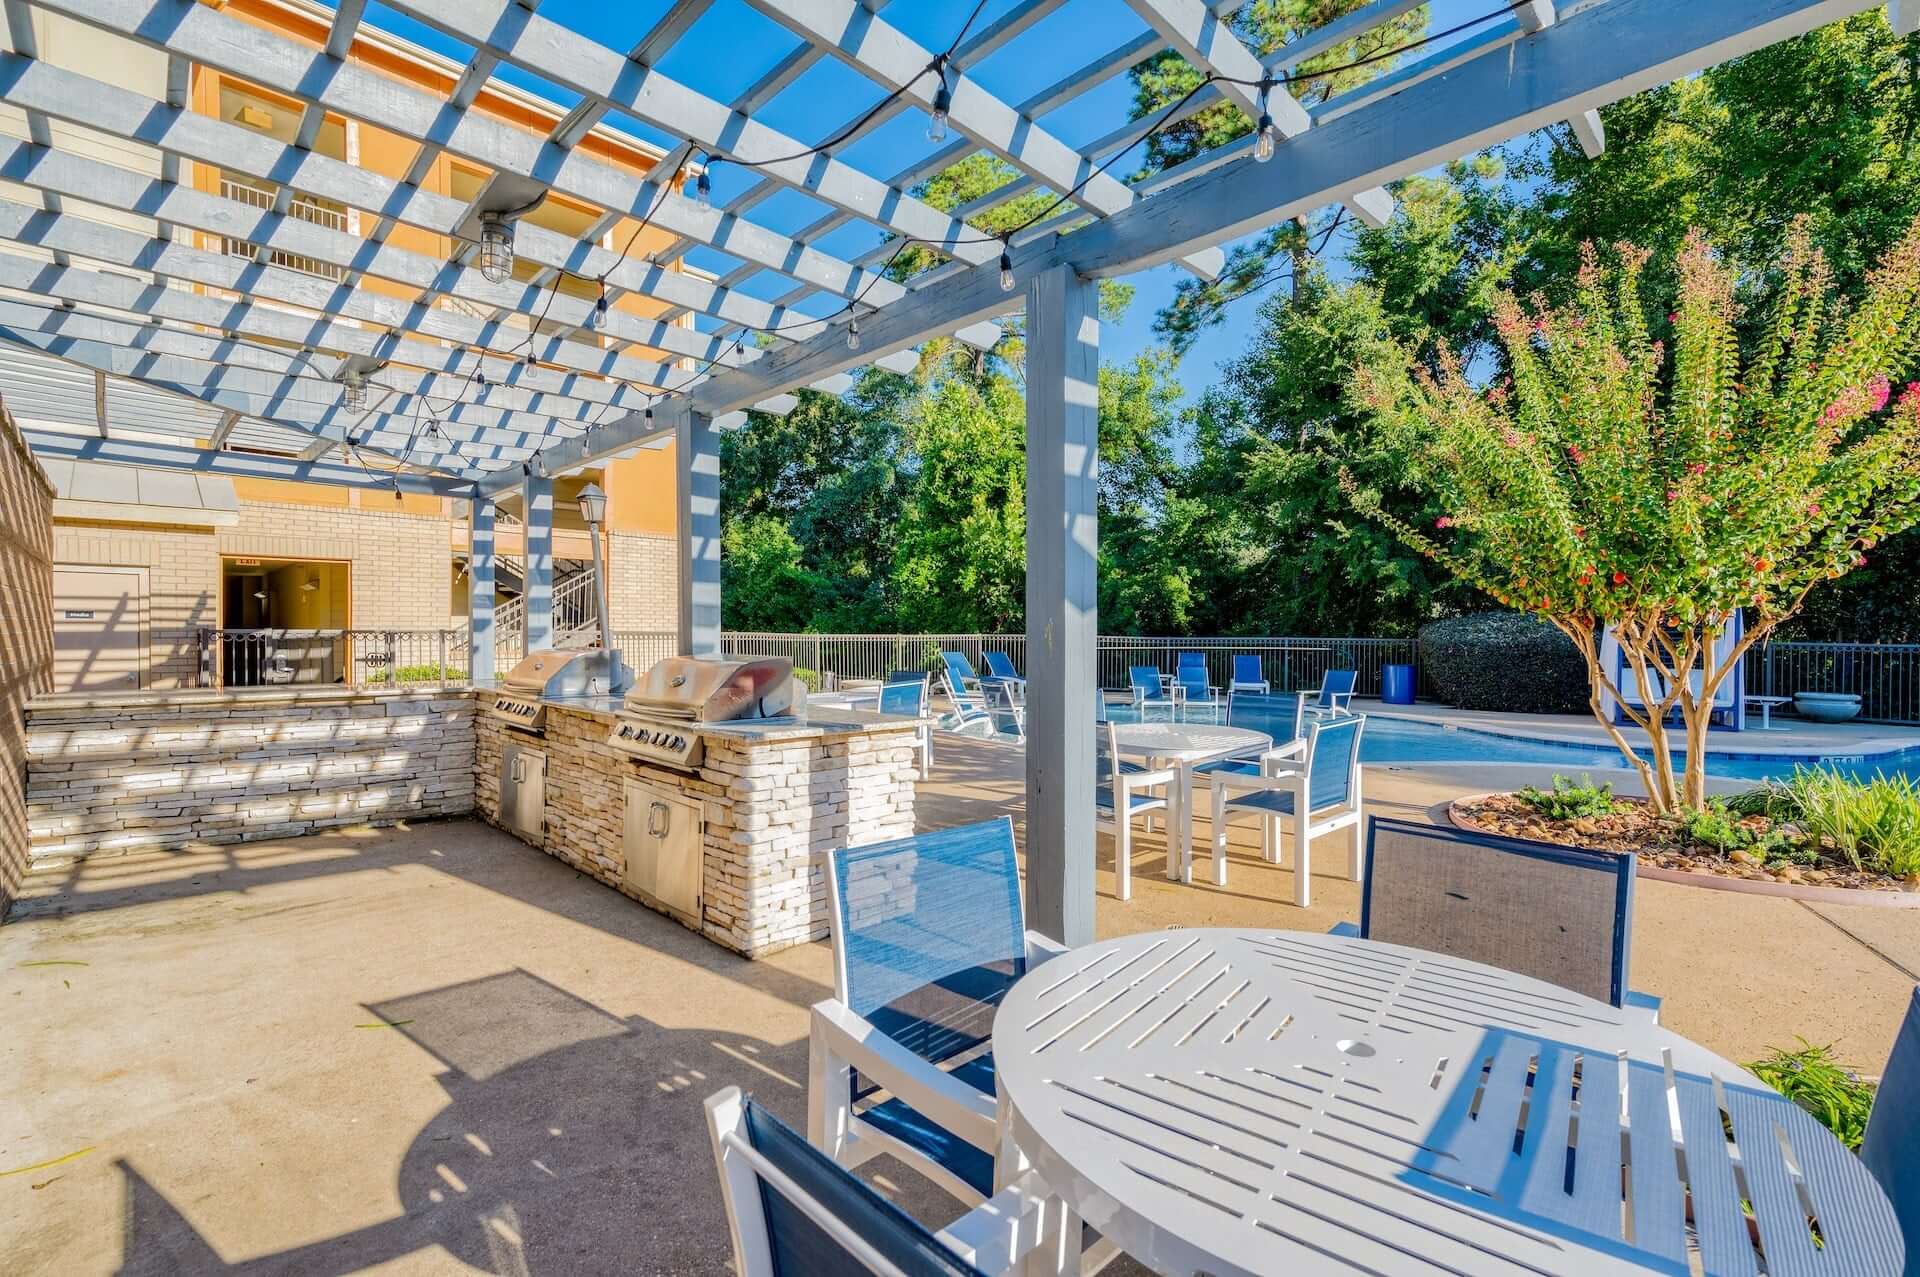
[(225, 43), (165, 456), (884, 54), (1595, 56)]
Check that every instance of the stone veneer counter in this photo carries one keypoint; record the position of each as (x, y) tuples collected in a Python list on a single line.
[(139, 770), (774, 796)]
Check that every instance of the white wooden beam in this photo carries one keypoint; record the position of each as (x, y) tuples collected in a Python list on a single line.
[(224, 431), (163, 456), (222, 42), (1903, 16), (893, 59), (536, 516), (697, 457), (100, 401), (1590, 133), (480, 591)]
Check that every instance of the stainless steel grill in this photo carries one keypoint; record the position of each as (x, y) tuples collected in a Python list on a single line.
[(555, 674), (659, 721)]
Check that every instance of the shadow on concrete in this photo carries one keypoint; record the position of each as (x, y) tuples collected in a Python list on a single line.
[(567, 1145)]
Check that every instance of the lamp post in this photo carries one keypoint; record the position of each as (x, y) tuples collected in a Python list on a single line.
[(593, 509)]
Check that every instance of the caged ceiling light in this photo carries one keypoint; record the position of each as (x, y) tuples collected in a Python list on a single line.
[(353, 395), (496, 247)]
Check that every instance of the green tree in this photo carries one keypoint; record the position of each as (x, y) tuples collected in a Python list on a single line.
[(1611, 483), (767, 586)]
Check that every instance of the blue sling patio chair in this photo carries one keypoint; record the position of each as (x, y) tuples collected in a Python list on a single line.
[(1247, 675), (793, 1212), (1559, 914), (908, 698), (928, 936), (1315, 787), (1335, 692), (961, 684), (1891, 1148), (1000, 665), (1006, 706), (1190, 675), (1149, 691)]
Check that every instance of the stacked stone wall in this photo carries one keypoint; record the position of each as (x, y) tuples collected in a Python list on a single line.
[(26, 634), (771, 811), (173, 770)]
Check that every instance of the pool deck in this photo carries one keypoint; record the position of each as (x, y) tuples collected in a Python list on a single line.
[(1790, 736), (436, 1050)]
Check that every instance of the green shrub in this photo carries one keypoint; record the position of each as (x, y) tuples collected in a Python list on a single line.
[(1715, 828), (808, 678), (1569, 801), (1875, 825), (1811, 1078), (1771, 799), (1504, 661), (429, 673)]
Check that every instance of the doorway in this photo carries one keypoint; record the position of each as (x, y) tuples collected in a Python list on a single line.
[(99, 628), (284, 620)]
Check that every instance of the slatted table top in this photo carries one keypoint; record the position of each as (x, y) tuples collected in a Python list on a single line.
[(1186, 741), (1279, 1102)]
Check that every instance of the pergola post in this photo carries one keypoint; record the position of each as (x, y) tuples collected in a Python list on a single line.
[(538, 490), (480, 595), (697, 451), (1063, 543)]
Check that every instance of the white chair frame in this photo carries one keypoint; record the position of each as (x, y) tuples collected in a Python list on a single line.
[(842, 1040), (1290, 768), (1125, 785), (1020, 1229)]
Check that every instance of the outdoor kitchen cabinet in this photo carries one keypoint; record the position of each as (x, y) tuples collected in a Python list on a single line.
[(662, 841), (523, 792)]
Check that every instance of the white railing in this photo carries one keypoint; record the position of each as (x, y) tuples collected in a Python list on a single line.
[(575, 610), (305, 207)]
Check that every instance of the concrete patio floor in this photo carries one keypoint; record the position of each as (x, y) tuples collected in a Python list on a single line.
[(436, 1050)]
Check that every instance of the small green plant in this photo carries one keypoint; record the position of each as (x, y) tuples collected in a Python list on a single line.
[(1811, 1078), (1875, 824), (1716, 828), (810, 679), (1773, 799), (429, 673), (1569, 801)]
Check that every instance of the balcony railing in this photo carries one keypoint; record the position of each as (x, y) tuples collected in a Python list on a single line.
[(305, 207)]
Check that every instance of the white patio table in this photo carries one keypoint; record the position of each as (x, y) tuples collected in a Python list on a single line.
[(1239, 1102), (1181, 746)]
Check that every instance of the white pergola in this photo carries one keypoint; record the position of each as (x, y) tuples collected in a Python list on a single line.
[(252, 362)]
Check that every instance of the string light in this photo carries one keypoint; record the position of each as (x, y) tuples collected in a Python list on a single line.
[(480, 379), (702, 188), (942, 104), (853, 332), (1266, 136), (1006, 269), (598, 320)]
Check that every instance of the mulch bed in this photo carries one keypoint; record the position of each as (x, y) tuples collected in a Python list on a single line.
[(1660, 841)]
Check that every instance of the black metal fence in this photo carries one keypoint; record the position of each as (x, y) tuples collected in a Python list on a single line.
[(1886, 676)]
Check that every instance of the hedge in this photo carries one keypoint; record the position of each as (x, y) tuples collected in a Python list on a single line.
[(1504, 661)]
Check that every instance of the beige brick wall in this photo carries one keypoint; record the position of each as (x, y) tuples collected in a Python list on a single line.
[(26, 635), (643, 582), (400, 561), (178, 769), (183, 586)]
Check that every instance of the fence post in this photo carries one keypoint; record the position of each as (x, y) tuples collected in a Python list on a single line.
[(440, 664)]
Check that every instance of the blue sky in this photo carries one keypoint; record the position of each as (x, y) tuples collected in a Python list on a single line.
[(732, 45)]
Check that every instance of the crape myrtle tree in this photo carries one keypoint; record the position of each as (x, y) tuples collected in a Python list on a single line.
[(1640, 470)]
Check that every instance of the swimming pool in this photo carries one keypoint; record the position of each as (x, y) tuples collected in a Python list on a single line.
[(1391, 741)]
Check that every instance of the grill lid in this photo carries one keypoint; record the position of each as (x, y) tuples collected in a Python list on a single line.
[(557, 673), (693, 689)]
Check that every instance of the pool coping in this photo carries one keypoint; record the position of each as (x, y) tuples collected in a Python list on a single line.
[(1876, 747), (1713, 882)]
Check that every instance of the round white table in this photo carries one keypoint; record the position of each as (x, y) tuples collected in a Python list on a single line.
[(1180, 746), (1240, 1102)]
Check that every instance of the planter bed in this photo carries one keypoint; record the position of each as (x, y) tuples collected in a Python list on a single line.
[(1667, 853)]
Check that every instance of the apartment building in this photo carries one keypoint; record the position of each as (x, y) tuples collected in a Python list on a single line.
[(148, 562)]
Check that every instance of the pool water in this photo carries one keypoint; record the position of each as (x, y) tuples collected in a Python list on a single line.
[(1391, 741)]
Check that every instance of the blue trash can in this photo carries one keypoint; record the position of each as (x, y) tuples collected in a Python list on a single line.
[(1396, 684)]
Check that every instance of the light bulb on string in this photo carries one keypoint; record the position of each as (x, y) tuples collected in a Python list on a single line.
[(942, 104), (1266, 136), (702, 188), (1006, 271), (853, 333), (598, 319)]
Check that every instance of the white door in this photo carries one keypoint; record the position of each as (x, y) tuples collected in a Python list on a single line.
[(99, 628)]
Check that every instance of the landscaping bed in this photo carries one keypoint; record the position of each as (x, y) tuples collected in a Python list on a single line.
[(1817, 830)]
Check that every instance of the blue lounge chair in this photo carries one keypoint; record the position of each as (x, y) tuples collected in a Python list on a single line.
[(908, 697), (1191, 677), (1149, 690), (1006, 706), (961, 684), (1122, 791), (928, 935), (1555, 913), (1247, 676), (1000, 665), (1317, 788), (1336, 691), (792, 1211)]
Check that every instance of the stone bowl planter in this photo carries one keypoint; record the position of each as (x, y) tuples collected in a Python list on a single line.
[(1827, 707)]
